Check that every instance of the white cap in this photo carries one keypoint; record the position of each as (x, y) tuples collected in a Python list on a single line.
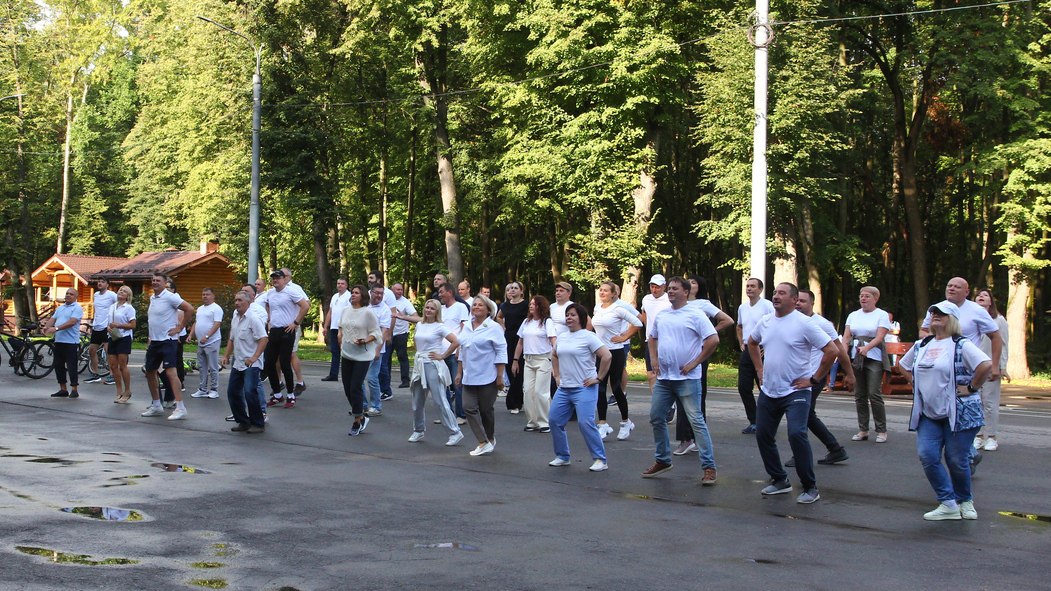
[(657, 279), (946, 307)]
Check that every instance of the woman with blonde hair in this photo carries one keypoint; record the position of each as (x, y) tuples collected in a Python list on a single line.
[(430, 373), (986, 438), (863, 334), (483, 356), (121, 323)]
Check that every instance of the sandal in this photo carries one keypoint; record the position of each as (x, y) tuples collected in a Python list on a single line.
[(860, 436)]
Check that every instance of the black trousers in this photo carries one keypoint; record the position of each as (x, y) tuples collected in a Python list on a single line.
[(66, 357), (279, 347)]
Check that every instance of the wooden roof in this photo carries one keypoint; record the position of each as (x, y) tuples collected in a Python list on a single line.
[(144, 265), (83, 266)]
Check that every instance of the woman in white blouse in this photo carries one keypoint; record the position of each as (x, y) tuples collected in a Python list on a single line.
[(483, 356), (121, 323), (864, 333), (986, 438), (359, 336), (536, 337), (430, 374), (614, 325)]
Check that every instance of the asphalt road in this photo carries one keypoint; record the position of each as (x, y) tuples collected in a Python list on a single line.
[(303, 506)]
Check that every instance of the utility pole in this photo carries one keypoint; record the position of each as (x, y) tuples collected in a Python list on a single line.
[(760, 36)]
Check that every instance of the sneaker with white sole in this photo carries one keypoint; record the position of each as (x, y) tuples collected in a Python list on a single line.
[(416, 436), (482, 450), (942, 513), (199, 394), (558, 463), (991, 445), (979, 441), (777, 488), (810, 495), (626, 427), (604, 430), (967, 510), (153, 411), (177, 415), (684, 448), (454, 439), (213, 394), (599, 466)]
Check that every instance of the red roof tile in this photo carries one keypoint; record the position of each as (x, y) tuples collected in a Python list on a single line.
[(144, 265)]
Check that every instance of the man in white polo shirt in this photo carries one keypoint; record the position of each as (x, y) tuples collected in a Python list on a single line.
[(103, 302), (339, 302), (162, 351), (245, 347), (206, 330), (749, 313), (287, 305), (785, 379), (454, 315)]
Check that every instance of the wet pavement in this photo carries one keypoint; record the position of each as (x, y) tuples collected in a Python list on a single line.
[(94, 496)]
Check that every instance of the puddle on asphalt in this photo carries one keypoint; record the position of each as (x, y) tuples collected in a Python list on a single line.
[(207, 565), (106, 513), (1029, 516), (66, 558), (125, 480), (41, 438), (179, 468), (450, 545), (210, 583), (224, 550)]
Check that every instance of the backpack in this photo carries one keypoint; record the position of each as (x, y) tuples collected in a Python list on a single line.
[(968, 410)]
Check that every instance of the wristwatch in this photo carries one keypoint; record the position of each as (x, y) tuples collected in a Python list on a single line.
[(972, 389)]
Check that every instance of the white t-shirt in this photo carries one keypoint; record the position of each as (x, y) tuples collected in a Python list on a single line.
[(207, 316), (163, 315), (388, 297), (336, 305), (259, 311), (121, 314), (284, 304), (865, 324), (612, 321), (430, 336), (933, 372), (104, 302), (558, 317), (455, 316), (245, 332), (480, 350), (383, 318), (786, 343), (536, 337), (680, 336), (974, 322), (576, 357), (826, 326), (651, 307), (748, 316), (404, 306), (710, 310)]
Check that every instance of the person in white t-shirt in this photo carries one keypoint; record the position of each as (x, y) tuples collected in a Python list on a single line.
[(287, 305), (563, 291), (863, 334), (389, 299), (535, 346), (454, 315), (162, 351), (400, 335), (339, 301), (946, 409), (207, 330), (383, 315), (785, 379), (681, 340), (430, 375), (103, 302), (245, 348), (121, 323), (986, 438), (749, 313), (615, 325), (653, 304)]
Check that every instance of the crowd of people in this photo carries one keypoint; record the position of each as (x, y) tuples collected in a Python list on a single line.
[(556, 360)]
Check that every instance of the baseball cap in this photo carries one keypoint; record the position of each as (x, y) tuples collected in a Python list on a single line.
[(946, 307), (657, 279), (277, 273), (564, 285)]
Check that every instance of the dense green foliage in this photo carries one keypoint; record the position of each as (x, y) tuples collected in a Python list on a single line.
[(902, 150)]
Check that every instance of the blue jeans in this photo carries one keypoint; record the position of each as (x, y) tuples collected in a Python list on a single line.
[(687, 393), (333, 348), (455, 393), (932, 437), (372, 382), (385, 370), (585, 401), (769, 411), (242, 391)]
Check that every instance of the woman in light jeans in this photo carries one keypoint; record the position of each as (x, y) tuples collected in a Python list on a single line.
[(430, 373), (536, 337), (986, 438)]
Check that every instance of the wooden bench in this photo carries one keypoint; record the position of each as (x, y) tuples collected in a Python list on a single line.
[(894, 382)]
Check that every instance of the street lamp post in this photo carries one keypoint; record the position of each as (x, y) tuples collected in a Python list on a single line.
[(761, 39), (257, 94)]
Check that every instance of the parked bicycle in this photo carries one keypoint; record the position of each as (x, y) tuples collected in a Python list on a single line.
[(84, 355), (29, 355)]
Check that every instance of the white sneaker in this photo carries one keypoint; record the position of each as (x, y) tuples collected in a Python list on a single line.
[(990, 445), (558, 463), (152, 411), (942, 513), (416, 436), (455, 438), (199, 394), (626, 427), (599, 466), (979, 442), (177, 414), (213, 394), (604, 430), (482, 450), (967, 509)]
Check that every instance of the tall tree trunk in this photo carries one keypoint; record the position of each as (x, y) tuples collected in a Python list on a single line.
[(642, 199), (806, 239), (1018, 296), (410, 206), (383, 214), (786, 268), (14, 236)]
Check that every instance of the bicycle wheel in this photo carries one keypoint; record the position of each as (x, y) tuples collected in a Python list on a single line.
[(83, 358), (43, 361), (17, 347)]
